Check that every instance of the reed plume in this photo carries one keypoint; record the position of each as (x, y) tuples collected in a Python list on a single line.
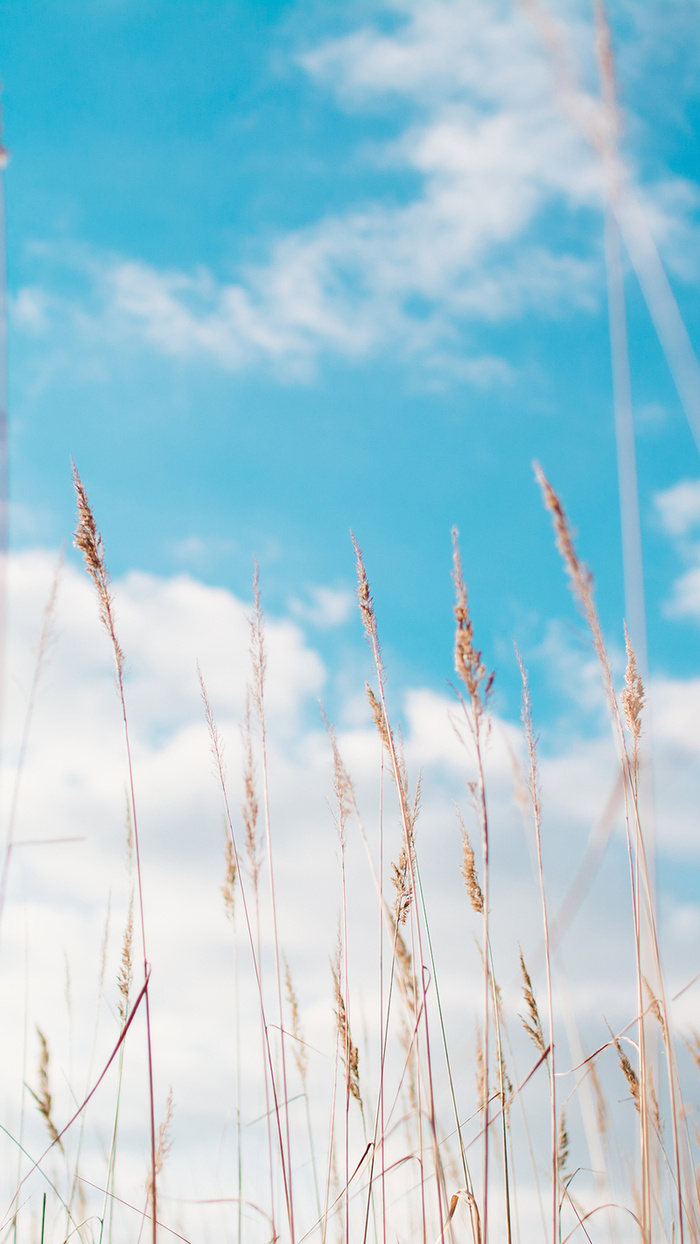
[(468, 870), (88, 539), (533, 1023), (126, 968), (42, 1096), (349, 1051)]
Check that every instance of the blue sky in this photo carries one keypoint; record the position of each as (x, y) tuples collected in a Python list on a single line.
[(414, 236)]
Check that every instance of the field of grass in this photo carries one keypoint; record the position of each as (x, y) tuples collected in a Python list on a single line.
[(404, 1105)]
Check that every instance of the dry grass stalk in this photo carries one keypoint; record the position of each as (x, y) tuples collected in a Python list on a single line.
[(401, 879), (378, 717), (468, 870), (126, 969), (216, 742), (250, 808), (301, 1057), (349, 1050), (480, 1068), (258, 654), (364, 598), (580, 577), (655, 1008), (43, 1097), (562, 1142), (505, 1087), (536, 802), (407, 1034), (228, 888), (632, 704), (88, 539), (478, 683), (628, 1072), (342, 785), (468, 662), (164, 1141), (532, 1025), (129, 840)]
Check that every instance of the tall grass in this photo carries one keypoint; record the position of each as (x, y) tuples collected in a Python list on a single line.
[(397, 1146)]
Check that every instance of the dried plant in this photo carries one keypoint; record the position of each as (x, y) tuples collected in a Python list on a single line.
[(480, 1069), (164, 1144), (468, 661), (655, 1008), (42, 1096), (632, 704), (378, 717), (126, 967), (364, 597), (533, 1024), (628, 1072), (300, 1054), (471, 879), (250, 808), (228, 888), (216, 742), (258, 652), (88, 539), (401, 874), (562, 1143), (348, 1049)]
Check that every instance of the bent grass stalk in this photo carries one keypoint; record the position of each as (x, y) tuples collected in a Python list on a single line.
[(478, 683), (89, 541)]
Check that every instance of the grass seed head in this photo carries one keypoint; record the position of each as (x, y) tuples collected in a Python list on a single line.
[(468, 662), (300, 1055), (364, 597), (629, 1073), (471, 879), (533, 1024), (228, 889), (164, 1144), (43, 1097), (349, 1052), (88, 539), (126, 967), (562, 1142)]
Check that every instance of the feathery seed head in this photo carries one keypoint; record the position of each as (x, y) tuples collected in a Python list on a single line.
[(468, 662), (471, 879), (533, 1024), (88, 539), (364, 596)]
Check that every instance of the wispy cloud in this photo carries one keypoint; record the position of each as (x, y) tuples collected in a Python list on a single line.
[(678, 512), (505, 219)]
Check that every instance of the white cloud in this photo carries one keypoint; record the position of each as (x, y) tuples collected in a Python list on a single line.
[(324, 607), (679, 507), (494, 133), (29, 309), (491, 152)]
